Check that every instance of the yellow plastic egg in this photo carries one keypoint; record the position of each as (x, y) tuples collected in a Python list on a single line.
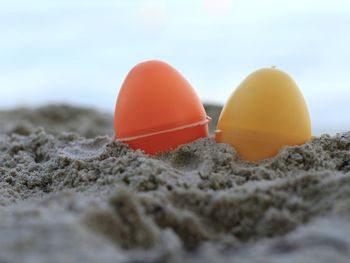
[(266, 112)]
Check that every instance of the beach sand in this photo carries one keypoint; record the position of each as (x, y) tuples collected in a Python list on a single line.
[(70, 193)]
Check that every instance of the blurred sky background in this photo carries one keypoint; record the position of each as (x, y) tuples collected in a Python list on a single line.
[(80, 51)]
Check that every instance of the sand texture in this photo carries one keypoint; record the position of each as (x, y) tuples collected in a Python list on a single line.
[(81, 197)]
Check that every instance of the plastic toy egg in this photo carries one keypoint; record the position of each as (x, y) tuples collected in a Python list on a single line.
[(266, 112), (157, 109)]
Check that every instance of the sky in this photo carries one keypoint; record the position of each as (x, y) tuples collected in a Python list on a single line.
[(80, 51)]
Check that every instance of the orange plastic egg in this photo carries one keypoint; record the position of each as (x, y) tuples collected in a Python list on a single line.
[(266, 112), (157, 109)]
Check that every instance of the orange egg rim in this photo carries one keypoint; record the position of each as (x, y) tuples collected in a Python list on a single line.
[(203, 122)]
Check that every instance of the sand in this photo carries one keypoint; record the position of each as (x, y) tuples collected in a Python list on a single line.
[(69, 193)]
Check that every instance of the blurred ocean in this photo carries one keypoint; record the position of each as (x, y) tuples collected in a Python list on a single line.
[(80, 51)]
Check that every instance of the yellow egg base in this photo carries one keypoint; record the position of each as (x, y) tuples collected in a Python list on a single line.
[(255, 146)]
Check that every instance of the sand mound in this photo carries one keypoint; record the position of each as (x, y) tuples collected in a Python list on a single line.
[(65, 198), (56, 119)]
